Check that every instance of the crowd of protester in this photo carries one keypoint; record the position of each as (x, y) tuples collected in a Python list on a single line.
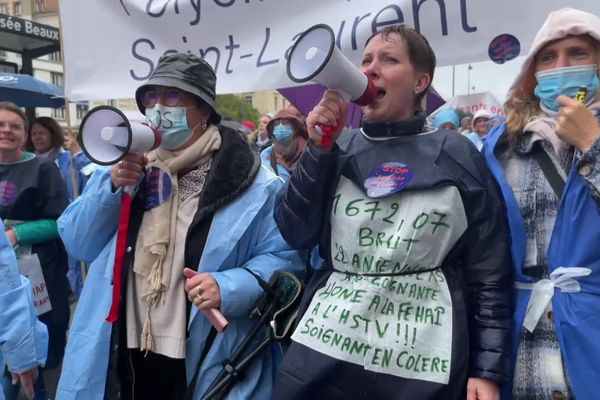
[(453, 257)]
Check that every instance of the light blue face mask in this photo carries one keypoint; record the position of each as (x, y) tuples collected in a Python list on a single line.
[(283, 132), (566, 82), (172, 125)]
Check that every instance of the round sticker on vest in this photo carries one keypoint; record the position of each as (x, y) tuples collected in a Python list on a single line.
[(158, 187), (387, 178)]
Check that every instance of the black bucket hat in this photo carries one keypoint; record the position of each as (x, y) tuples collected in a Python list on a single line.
[(187, 72)]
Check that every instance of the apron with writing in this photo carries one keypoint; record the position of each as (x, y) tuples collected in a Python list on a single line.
[(387, 306)]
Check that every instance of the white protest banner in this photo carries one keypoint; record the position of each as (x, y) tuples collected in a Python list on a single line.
[(367, 313), (29, 266), (111, 47), (471, 103)]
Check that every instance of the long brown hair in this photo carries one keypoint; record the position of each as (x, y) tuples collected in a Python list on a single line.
[(522, 106), (57, 135)]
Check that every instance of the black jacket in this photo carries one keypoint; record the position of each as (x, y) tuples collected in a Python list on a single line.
[(476, 268)]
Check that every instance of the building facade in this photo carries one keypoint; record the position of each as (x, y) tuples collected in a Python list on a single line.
[(265, 101), (47, 68)]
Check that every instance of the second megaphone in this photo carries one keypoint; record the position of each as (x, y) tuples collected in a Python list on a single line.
[(106, 136), (315, 57)]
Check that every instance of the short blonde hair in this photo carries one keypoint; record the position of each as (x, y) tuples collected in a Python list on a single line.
[(12, 107)]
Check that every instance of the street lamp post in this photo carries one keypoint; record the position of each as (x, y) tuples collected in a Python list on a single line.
[(469, 68), (453, 78)]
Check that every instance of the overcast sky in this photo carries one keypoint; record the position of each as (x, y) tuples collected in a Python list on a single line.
[(485, 76)]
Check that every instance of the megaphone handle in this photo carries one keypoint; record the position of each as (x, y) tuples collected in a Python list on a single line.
[(121, 247), (327, 133)]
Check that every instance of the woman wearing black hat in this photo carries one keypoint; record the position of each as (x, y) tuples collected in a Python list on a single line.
[(204, 203)]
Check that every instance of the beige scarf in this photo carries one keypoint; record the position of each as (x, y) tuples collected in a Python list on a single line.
[(153, 253)]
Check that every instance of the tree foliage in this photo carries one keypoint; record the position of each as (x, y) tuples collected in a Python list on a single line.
[(235, 108)]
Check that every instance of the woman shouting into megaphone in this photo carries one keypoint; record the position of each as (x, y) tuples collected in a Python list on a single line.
[(200, 230), (415, 299)]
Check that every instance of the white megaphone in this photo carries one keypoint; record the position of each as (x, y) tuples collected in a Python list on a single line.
[(106, 136), (315, 57)]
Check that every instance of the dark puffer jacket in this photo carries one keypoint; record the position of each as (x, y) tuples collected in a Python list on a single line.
[(476, 267)]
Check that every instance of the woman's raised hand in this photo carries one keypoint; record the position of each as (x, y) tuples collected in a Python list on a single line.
[(577, 125), (331, 111), (128, 171), (71, 143)]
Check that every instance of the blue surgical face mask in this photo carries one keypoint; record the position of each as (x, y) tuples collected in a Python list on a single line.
[(566, 82), (283, 132), (172, 125)]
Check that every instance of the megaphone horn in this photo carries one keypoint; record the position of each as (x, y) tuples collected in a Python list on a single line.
[(315, 57), (107, 136)]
